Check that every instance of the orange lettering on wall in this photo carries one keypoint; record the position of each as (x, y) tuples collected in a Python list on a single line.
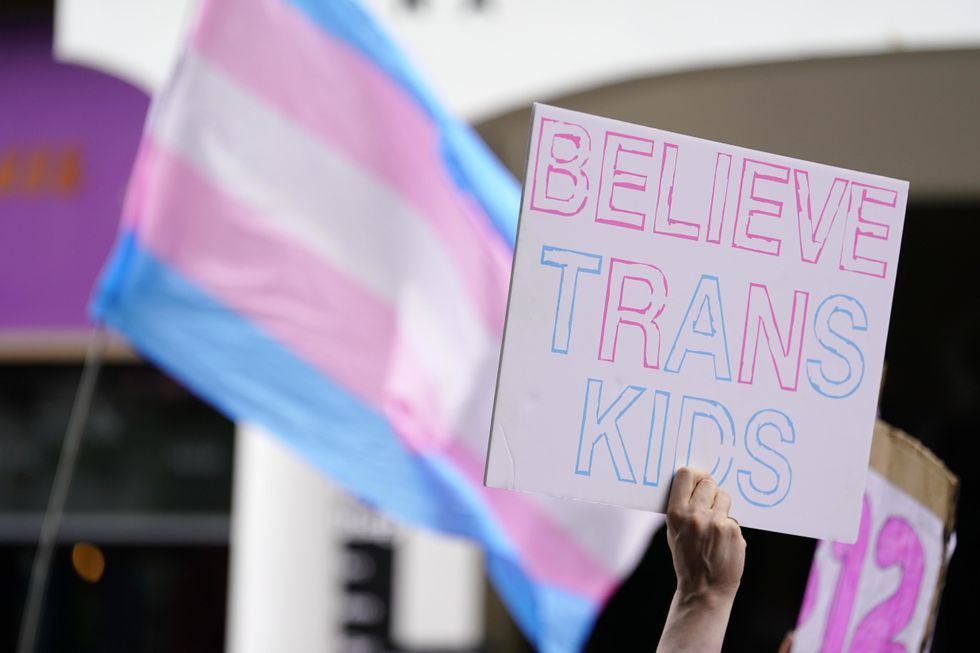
[(69, 177), (6, 172), (41, 170)]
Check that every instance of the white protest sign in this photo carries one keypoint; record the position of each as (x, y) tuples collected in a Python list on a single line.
[(880, 593), (676, 301)]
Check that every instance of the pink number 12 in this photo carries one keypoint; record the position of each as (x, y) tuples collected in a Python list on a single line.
[(898, 545)]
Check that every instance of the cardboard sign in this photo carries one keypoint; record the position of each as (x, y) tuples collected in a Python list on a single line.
[(883, 590), (676, 301)]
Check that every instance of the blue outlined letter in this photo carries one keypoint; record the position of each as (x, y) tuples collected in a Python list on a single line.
[(562, 259), (716, 418), (703, 331), (842, 348), (775, 462), (658, 433), (596, 426)]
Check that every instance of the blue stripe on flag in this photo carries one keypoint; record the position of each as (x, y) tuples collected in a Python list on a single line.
[(558, 621), (249, 376), (517, 593), (568, 620), (474, 168)]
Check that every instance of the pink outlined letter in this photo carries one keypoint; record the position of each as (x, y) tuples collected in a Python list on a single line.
[(719, 197), (662, 222), (861, 196), (760, 319), (641, 294), (814, 236), (622, 182), (752, 172), (564, 185)]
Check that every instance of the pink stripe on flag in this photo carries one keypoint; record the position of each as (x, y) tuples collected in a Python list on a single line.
[(286, 288), (140, 178), (545, 547), (296, 297), (359, 111)]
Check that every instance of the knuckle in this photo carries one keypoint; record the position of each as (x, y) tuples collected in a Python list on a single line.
[(699, 523), (707, 482)]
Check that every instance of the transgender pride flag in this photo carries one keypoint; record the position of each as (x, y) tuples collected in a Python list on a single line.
[(314, 246)]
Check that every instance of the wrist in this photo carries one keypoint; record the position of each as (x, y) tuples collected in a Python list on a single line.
[(709, 598), (697, 621)]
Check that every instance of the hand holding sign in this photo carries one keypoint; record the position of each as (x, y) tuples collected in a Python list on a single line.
[(709, 555), (677, 302), (706, 544)]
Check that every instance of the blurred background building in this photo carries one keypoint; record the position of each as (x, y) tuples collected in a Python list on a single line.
[(143, 562)]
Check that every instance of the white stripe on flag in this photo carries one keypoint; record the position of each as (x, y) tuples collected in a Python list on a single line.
[(329, 205)]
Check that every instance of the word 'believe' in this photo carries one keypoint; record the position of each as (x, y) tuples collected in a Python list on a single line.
[(635, 189)]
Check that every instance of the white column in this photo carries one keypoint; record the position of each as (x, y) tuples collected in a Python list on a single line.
[(284, 587), (289, 525), (437, 592)]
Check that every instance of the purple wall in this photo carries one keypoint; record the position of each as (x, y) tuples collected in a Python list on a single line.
[(68, 136)]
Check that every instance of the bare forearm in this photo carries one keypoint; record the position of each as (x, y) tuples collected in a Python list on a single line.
[(708, 550), (696, 624)]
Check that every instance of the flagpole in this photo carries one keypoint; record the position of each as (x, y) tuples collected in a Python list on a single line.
[(55, 509)]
